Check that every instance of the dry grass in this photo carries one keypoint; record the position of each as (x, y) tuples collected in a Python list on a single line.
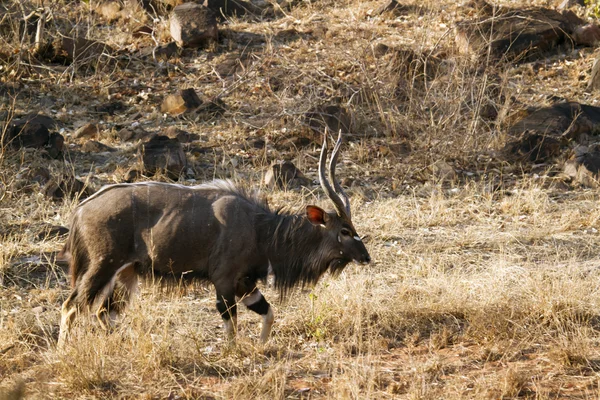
[(485, 286)]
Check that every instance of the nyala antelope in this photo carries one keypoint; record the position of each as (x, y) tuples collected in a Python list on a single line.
[(216, 232)]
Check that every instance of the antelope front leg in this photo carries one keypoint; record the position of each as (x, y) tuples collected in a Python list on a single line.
[(228, 310), (257, 303)]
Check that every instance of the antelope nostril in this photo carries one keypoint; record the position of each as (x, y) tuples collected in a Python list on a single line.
[(367, 259)]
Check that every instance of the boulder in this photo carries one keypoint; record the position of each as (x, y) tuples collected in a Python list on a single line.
[(184, 101), (587, 35), (29, 135), (52, 232), (93, 146), (392, 6), (583, 166), (89, 131), (544, 134), (562, 120), (181, 135), (330, 116), (66, 50), (133, 134), (163, 155), (231, 8), (514, 34), (284, 174), (67, 187), (193, 25), (594, 82), (56, 145)]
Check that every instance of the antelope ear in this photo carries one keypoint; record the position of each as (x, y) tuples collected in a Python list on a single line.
[(316, 215)]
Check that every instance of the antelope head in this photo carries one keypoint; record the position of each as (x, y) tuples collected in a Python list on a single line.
[(343, 243)]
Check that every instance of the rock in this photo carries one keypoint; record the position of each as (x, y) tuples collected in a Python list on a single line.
[(89, 131), (68, 186), (391, 6), (583, 166), (409, 64), (533, 147), (233, 64), (163, 155), (93, 146), (110, 108), (56, 145), (165, 51), (184, 101), (594, 82), (587, 35), (443, 171), (571, 3), (133, 134), (29, 135), (231, 8), (132, 175), (284, 174), (400, 149), (31, 130), (513, 34), (68, 50), (193, 25), (562, 120), (39, 175), (210, 109), (34, 118), (142, 31), (542, 135), (38, 310), (181, 135), (52, 232), (334, 117), (109, 10)]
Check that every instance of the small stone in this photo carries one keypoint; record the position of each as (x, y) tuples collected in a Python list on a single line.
[(193, 25), (87, 131), (334, 117), (391, 6), (133, 134), (38, 310), (165, 51), (109, 10), (184, 101), (587, 35), (56, 145), (443, 171), (181, 135), (52, 232), (284, 174), (93, 146), (163, 155)]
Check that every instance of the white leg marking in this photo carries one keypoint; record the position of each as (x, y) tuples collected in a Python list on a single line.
[(66, 320), (268, 319), (252, 298), (230, 327)]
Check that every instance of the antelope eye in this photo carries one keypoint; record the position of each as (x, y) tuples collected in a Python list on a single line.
[(345, 232)]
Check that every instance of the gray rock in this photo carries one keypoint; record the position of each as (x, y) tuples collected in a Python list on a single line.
[(193, 25), (184, 101), (163, 155)]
